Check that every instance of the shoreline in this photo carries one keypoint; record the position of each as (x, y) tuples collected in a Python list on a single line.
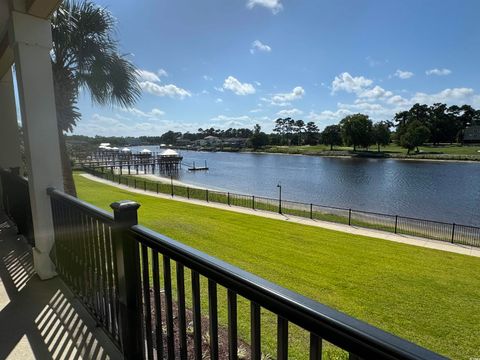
[(354, 156)]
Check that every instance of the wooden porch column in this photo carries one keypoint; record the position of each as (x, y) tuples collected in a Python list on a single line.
[(31, 40), (9, 135)]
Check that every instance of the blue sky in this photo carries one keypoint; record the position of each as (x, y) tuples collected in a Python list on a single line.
[(234, 63)]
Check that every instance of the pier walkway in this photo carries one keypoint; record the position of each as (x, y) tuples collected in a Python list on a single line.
[(405, 239)]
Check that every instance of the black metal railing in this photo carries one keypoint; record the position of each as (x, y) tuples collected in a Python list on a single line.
[(158, 298), (430, 229), (16, 201)]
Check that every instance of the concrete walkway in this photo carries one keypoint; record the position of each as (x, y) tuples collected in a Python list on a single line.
[(405, 239), (42, 319)]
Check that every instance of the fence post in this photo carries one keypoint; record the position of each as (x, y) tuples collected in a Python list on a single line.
[(206, 194), (311, 211), (453, 232), (253, 202), (396, 222), (188, 192), (128, 275), (157, 187), (228, 198), (119, 179), (349, 216)]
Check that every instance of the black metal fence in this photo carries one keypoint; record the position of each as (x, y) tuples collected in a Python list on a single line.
[(16, 201), (430, 229), (158, 298)]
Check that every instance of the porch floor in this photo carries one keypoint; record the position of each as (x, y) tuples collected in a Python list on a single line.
[(42, 319)]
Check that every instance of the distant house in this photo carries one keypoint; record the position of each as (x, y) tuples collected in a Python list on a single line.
[(472, 134), (235, 142), (183, 142), (210, 141)]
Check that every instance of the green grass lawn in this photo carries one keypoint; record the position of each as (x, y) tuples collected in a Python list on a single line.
[(393, 149), (426, 296)]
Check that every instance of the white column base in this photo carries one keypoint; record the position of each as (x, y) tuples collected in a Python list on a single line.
[(44, 266)]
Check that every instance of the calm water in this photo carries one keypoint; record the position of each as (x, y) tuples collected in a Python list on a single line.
[(441, 191)]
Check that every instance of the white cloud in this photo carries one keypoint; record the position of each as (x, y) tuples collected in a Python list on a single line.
[(229, 118), (365, 106), (162, 72), (375, 93), (218, 100), (258, 46), (224, 121), (289, 112), (152, 114), (145, 75), (169, 90), (350, 84), (403, 74), (329, 116), (397, 100), (237, 87), (372, 62), (207, 78), (448, 96), (284, 99), (438, 72), (274, 5)]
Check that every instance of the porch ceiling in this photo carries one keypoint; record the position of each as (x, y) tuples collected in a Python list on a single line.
[(39, 8)]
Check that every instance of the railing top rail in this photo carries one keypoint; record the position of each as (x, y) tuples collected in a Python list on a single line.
[(19, 178), (371, 213), (433, 221), (84, 206), (338, 328)]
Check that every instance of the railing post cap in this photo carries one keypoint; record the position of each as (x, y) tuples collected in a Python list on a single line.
[(124, 205)]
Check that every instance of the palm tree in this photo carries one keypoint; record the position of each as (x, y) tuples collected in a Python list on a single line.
[(85, 55)]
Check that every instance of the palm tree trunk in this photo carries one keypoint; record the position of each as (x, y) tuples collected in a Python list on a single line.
[(68, 183)]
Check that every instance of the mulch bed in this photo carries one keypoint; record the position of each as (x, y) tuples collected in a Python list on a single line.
[(244, 348)]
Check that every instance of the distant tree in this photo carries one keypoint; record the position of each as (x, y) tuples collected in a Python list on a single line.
[(357, 130), (312, 133), (289, 127), (259, 139), (170, 137), (415, 135), (381, 134), (332, 135), (280, 128), (299, 130)]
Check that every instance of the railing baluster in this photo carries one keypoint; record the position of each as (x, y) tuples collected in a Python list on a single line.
[(167, 280), (282, 338), (157, 304), (255, 331), (213, 319), (315, 347), (232, 325), (197, 318), (103, 257), (110, 283), (147, 317), (182, 331)]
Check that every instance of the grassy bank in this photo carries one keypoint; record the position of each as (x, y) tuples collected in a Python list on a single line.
[(441, 152), (427, 296)]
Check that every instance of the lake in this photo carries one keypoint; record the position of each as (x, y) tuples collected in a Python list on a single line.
[(443, 191)]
